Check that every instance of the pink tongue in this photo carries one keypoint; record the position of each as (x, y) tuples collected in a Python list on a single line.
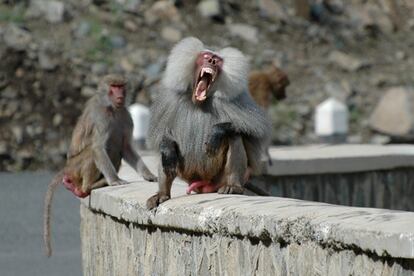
[(201, 90)]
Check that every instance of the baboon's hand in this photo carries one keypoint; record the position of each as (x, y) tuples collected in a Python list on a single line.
[(118, 182), (156, 200)]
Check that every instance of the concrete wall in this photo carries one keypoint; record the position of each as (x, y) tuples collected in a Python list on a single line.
[(212, 234), (389, 189), (354, 175), (113, 247)]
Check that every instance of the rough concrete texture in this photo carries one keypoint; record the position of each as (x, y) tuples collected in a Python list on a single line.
[(236, 234), (389, 189), (319, 159), (111, 247), (384, 232)]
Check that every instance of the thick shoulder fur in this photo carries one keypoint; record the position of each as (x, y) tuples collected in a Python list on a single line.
[(180, 65), (233, 78), (245, 115), (250, 121)]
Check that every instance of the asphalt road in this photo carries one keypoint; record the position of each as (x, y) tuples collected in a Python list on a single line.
[(21, 242)]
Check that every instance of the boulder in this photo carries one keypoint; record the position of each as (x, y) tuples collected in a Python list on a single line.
[(346, 61), (162, 10), (244, 31), (210, 8), (272, 10), (171, 34), (394, 114), (52, 11), (131, 6), (375, 16), (16, 38)]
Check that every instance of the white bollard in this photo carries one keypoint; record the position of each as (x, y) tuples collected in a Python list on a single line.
[(331, 121), (140, 116)]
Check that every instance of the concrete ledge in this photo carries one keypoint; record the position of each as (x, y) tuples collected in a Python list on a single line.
[(385, 233), (320, 159), (212, 234), (324, 159)]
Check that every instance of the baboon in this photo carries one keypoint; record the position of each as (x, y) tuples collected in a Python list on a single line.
[(101, 138), (263, 84), (206, 126)]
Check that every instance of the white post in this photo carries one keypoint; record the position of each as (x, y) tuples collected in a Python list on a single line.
[(140, 116), (331, 121)]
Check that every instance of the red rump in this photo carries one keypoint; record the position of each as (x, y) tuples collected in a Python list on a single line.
[(68, 183), (202, 187)]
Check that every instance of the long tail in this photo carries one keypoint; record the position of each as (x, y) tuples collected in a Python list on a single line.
[(47, 210)]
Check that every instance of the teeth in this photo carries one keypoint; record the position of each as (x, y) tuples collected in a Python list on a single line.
[(206, 70)]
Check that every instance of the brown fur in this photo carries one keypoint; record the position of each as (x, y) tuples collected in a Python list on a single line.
[(210, 174), (263, 84), (101, 138), (47, 210)]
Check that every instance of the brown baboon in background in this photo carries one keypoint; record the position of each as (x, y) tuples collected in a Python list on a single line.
[(207, 127), (263, 84), (101, 138)]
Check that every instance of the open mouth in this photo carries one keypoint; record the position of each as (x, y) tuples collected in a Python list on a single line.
[(204, 80)]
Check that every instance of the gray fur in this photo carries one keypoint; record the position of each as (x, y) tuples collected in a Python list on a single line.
[(228, 101)]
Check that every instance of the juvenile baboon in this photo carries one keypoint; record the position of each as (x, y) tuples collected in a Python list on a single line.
[(268, 83), (101, 138), (265, 84), (207, 127)]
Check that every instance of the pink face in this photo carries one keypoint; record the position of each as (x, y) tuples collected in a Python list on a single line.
[(208, 67), (117, 95)]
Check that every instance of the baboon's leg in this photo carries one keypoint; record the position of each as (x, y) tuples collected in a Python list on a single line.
[(235, 168), (90, 175), (167, 171), (164, 189)]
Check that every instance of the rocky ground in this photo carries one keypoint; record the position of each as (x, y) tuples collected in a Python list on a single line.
[(54, 52)]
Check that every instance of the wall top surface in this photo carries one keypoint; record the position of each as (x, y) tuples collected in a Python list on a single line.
[(385, 232)]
